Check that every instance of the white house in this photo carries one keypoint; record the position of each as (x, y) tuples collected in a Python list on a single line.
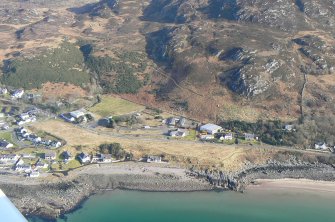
[(154, 159), (24, 116), (227, 136), (210, 128), (34, 174), (3, 91), (102, 158), (4, 126), (321, 146), (207, 137), (84, 158), (249, 136), (17, 94), (35, 139), (5, 145), (21, 166), (76, 114), (289, 127), (28, 155)]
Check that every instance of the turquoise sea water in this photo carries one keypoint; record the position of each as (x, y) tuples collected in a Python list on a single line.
[(252, 206)]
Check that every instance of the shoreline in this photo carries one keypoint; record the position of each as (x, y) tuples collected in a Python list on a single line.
[(53, 199), (289, 184), (65, 194)]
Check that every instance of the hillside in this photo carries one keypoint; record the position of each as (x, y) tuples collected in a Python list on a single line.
[(210, 59)]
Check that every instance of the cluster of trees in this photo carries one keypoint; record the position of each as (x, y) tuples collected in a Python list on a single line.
[(316, 129), (63, 64), (116, 150), (270, 132)]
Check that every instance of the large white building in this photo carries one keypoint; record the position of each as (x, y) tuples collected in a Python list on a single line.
[(210, 128)]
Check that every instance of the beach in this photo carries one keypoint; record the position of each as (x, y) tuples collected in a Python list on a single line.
[(56, 194), (304, 185)]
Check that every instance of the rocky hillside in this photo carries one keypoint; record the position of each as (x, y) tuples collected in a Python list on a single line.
[(212, 59)]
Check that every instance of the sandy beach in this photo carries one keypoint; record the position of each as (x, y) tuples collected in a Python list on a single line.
[(303, 185)]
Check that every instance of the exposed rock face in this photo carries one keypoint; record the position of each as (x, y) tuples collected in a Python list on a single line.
[(218, 48), (253, 40), (278, 14)]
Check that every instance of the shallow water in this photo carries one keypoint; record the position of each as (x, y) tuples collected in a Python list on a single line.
[(252, 206)]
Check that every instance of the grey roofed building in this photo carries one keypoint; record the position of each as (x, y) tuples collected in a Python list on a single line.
[(210, 128), (84, 158), (9, 157), (249, 136), (67, 155), (50, 156), (179, 133), (172, 121)]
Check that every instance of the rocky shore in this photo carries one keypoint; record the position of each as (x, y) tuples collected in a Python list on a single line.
[(52, 197)]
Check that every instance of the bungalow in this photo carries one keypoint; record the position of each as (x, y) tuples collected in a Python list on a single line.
[(50, 156), (23, 167), (21, 130), (84, 158), (321, 146), (77, 114), (55, 144), (154, 159), (102, 158), (227, 136), (289, 128), (172, 121), (24, 116), (5, 145), (17, 94), (4, 126), (182, 122), (9, 158), (34, 174), (179, 133), (210, 128), (28, 155), (249, 136), (207, 137), (30, 119), (67, 117)]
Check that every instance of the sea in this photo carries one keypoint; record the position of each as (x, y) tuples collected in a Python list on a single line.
[(250, 206)]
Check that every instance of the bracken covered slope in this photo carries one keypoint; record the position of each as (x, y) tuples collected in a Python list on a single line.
[(236, 59)]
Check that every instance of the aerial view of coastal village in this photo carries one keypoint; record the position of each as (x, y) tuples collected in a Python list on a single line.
[(167, 110)]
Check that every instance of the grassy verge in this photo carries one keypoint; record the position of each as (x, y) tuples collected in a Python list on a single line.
[(191, 136), (110, 105)]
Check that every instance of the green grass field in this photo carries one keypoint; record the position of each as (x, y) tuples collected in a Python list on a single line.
[(192, 135), (115, 106), (7, 136)]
